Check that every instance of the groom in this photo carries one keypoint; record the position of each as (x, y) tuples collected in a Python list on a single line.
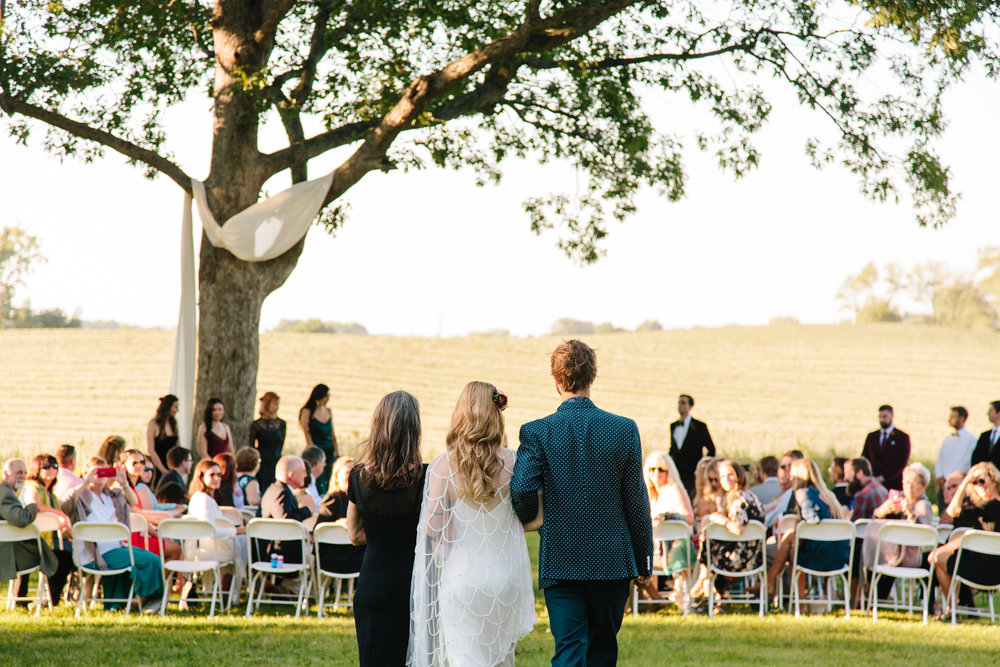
[(596, 534)]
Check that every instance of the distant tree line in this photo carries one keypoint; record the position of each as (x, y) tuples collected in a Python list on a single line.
[(318, 326), (571, 327), (929, 292)]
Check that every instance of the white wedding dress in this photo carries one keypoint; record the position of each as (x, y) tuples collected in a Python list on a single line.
[(471, 590)]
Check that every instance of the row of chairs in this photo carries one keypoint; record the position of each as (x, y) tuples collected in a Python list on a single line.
[(900, 533), (189, 531)]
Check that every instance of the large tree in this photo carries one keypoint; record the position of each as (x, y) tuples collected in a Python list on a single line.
[(416, 84)]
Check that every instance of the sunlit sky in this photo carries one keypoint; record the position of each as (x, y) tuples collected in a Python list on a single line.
[(429, 253)]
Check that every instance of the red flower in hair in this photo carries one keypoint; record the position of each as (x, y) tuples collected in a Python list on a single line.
[(500, 400)]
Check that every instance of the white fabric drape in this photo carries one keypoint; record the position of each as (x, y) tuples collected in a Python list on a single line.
[(261, 232), (471, 598)]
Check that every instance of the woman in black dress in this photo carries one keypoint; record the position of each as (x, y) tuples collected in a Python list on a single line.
[(384, 494), (161, 433), (267, 436), (338, 557)]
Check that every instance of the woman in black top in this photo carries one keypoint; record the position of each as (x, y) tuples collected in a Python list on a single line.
[(267, 436), (338, 557), (161, 433), (384, 494), (976, 504)]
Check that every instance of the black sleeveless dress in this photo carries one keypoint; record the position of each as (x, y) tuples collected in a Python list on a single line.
[(382, 598), (161, 445), (268, 437)]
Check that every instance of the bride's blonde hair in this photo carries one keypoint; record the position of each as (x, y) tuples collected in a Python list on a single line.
[(477, 429)]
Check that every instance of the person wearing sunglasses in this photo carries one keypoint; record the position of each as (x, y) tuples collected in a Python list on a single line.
[(707, 488), (668, 500), (43, 471), (230, 541), (976, 504)]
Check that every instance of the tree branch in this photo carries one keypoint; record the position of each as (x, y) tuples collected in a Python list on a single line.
[(12, 105), (317, 49), (268, 28), (608, 63)]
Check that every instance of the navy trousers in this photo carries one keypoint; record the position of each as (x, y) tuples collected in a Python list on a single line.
[(585, 617)]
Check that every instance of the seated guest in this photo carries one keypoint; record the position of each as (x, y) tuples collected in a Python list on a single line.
[(279, 503), (706, 488), (769, 487), (66, 481), (738, 508), (134, 463), (110, 499), (951, 484), (179, 462), (111, 449), (173, 493), (230, 543), (247, 467), (976, 504), (344, 558), (839, 482), (866, 492), (37, 490), (785, 502), (15, 556), (813, 503), (143, 487), (668, 500), (228, 494), (315, 460)]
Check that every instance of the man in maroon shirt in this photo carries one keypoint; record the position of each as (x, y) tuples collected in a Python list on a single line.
[(867, 492), (888, 450)]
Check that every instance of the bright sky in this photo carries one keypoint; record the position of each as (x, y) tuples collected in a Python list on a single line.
[(429, 253)]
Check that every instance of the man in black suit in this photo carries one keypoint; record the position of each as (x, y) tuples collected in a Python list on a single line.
[(888, 450), (689, 438), (279, 502), (988, 446)]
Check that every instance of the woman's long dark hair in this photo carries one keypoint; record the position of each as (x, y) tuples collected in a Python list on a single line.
[(212, 402), (35, 470), (163, 415), (317, 394), (390, 455)]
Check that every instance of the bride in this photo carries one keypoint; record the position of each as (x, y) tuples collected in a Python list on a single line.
[(472, 592)]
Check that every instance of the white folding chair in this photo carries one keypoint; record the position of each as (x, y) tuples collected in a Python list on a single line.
[(663, 534), (944, 532), (786, 524), (860, 526), (11, 533), (223, 527), (95, 532), (905, 535), (188, 533), (273, 530), (982, 542), (233, 516), (828, 530), (46, 522), (249, 512), (754, 531), (330, 533), (140, 525)]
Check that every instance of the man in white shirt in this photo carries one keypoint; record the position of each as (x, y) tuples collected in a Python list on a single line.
[(66, 481), (689, 442), (956, 450)]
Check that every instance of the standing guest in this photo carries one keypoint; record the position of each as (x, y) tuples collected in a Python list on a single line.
[(110, 499), (839, 481), (384, 496), (342, 558), (888, 450), (813, 502), (769, 487), (279, 503), (976, 504), (956, 451), (987, 448), (161, 432), (597, 535), (37, 491), (785, 503), (866, 491), (179, 462), (15, 556), (247, 469), (214, 436), (228, 493), (66, 481), (951, 485), (267, 436), (111, 449), (708, 490), (668, 500), (315, 460), (689, 442), (738, 508), (316, 421)]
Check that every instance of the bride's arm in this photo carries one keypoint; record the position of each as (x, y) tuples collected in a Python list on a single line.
[(536, 523)]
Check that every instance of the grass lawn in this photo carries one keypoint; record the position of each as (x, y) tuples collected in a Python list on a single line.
[(663, 637)]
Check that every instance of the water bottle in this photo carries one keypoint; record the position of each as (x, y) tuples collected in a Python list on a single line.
[(275, 560)]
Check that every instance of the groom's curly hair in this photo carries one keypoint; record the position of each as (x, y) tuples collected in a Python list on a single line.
[(574, 365)]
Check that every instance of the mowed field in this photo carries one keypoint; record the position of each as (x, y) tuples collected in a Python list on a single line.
[(761, 389)]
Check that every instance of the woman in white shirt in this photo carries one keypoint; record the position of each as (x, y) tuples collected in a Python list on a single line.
[(668, 500), (230, 542)]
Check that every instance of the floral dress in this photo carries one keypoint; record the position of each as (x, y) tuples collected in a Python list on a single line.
[(737, 556)]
